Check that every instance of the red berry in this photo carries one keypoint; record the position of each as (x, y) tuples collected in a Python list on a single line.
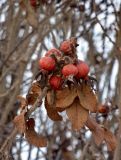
[(66, 47), (53, 51), (83, 69), (103, 109), (47, 63), (55, 82), (69, 69), (33, 3)]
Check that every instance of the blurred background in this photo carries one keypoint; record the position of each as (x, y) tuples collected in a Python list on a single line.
[(27, 30)]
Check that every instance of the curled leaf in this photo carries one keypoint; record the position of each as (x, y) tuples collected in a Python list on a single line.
[(35, 139), (33, 93), (60, 109), (31, 98), (19, 122), (35, 88), (97, 130), (98, 135), (65, 97), (87, 97), (30, 123), (50, 97), (23, 101), (110, 140), (91, 124), (77, 114), (52, 112)]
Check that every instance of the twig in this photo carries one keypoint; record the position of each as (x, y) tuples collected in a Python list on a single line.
[(8, 141), (38, 101), (106, 33), (9, 90), (84, 152)]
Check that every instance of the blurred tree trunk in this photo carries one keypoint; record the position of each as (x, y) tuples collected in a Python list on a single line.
[(118, 95)]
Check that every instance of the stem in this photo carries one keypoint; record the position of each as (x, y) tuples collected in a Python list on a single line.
[(38, 101)]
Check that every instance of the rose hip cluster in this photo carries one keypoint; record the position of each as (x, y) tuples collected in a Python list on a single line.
[(63, 63), (64, 83)]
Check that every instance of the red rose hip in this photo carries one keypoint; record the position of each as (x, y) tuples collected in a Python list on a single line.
[(47, 63), (69, 69), (103, 109), (55, 82), (53, 51), (83, 69), (66, 47)]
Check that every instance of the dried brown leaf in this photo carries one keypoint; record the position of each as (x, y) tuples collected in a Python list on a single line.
[(19, 122), (51, 100), (23, 101), (33, 94), (91, 124), (52, 112), (87, 97), (65, 97), (77, 114), (30, 123), (35, 139), (110, 140), (50, 97), (31, 98), (35, 88), (60, 109), (97, 130), (98, 135)]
